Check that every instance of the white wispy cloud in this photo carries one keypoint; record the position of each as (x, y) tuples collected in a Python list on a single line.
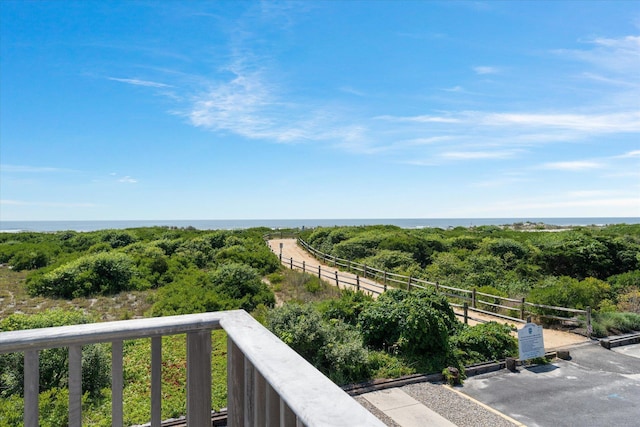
[(602, 123), (250, 98), (577, 165), (479, 155), (630, 154), (618, 55), (138, 82), (352, 91), (419, 119), (484, 69), (128, 180), (251, 104)]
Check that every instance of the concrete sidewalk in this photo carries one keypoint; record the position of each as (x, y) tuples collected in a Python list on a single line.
[(405, 410)]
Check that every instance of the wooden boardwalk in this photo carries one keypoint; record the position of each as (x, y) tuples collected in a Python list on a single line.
[(294, 255)]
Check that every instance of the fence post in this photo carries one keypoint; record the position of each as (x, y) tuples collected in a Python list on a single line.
[(304, 268), (409, 284), (437, 287), (473, 298), (337, 281), (589, 327), (291, 262), (319, 272), (364, 271), (349, 265), (357, 282), (522, 309), (385, 281), (465, 307)]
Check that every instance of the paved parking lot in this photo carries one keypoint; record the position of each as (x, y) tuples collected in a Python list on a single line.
[(597, 387)]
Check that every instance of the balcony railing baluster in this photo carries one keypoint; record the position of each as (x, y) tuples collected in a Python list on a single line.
[(75, 386), (273, 407), (260, 387), (287, 417), (117, 383), (156, 381), (249, 393), (235, 384), (31, 387)]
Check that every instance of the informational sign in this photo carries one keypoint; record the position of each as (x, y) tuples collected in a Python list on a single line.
[(530, 342)]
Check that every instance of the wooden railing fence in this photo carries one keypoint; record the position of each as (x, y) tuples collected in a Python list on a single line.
[(374, 281)]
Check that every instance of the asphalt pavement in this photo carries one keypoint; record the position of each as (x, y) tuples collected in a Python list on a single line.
[(596, 387)]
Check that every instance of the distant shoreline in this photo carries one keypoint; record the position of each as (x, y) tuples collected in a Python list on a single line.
[(275, 224)]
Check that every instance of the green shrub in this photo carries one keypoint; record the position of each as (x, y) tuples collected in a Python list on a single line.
[(187, 298), (54, 365), (621, 283), (346, 308), (300, 327), (99, 274), (242, 283), (391, 260), (119, 238), (275, 278), (334, 348), (417, 322), (29, 260), (385, 365), (484, 342), (254, 254), (630, 301), (568, 292)]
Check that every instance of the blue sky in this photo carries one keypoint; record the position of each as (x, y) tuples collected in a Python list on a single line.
[(319, 109)]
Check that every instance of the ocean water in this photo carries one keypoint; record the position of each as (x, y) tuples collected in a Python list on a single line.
[(223, 224)]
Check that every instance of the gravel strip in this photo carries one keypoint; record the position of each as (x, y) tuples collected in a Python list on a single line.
[(457, 409)]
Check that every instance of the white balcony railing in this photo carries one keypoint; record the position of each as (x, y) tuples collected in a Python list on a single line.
[(268, 384)]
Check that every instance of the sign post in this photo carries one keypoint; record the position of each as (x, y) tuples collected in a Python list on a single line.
[(530, 342)]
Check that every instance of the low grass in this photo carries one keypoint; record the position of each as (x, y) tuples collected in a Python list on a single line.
[(15, 299), (615, 323), (292, 285)]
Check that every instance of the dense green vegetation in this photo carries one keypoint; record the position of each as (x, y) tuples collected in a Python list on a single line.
[(355, 338), (585, 266), (118, 274), (71, 277)]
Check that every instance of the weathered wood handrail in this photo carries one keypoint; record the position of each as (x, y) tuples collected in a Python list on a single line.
[(267, 382)]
